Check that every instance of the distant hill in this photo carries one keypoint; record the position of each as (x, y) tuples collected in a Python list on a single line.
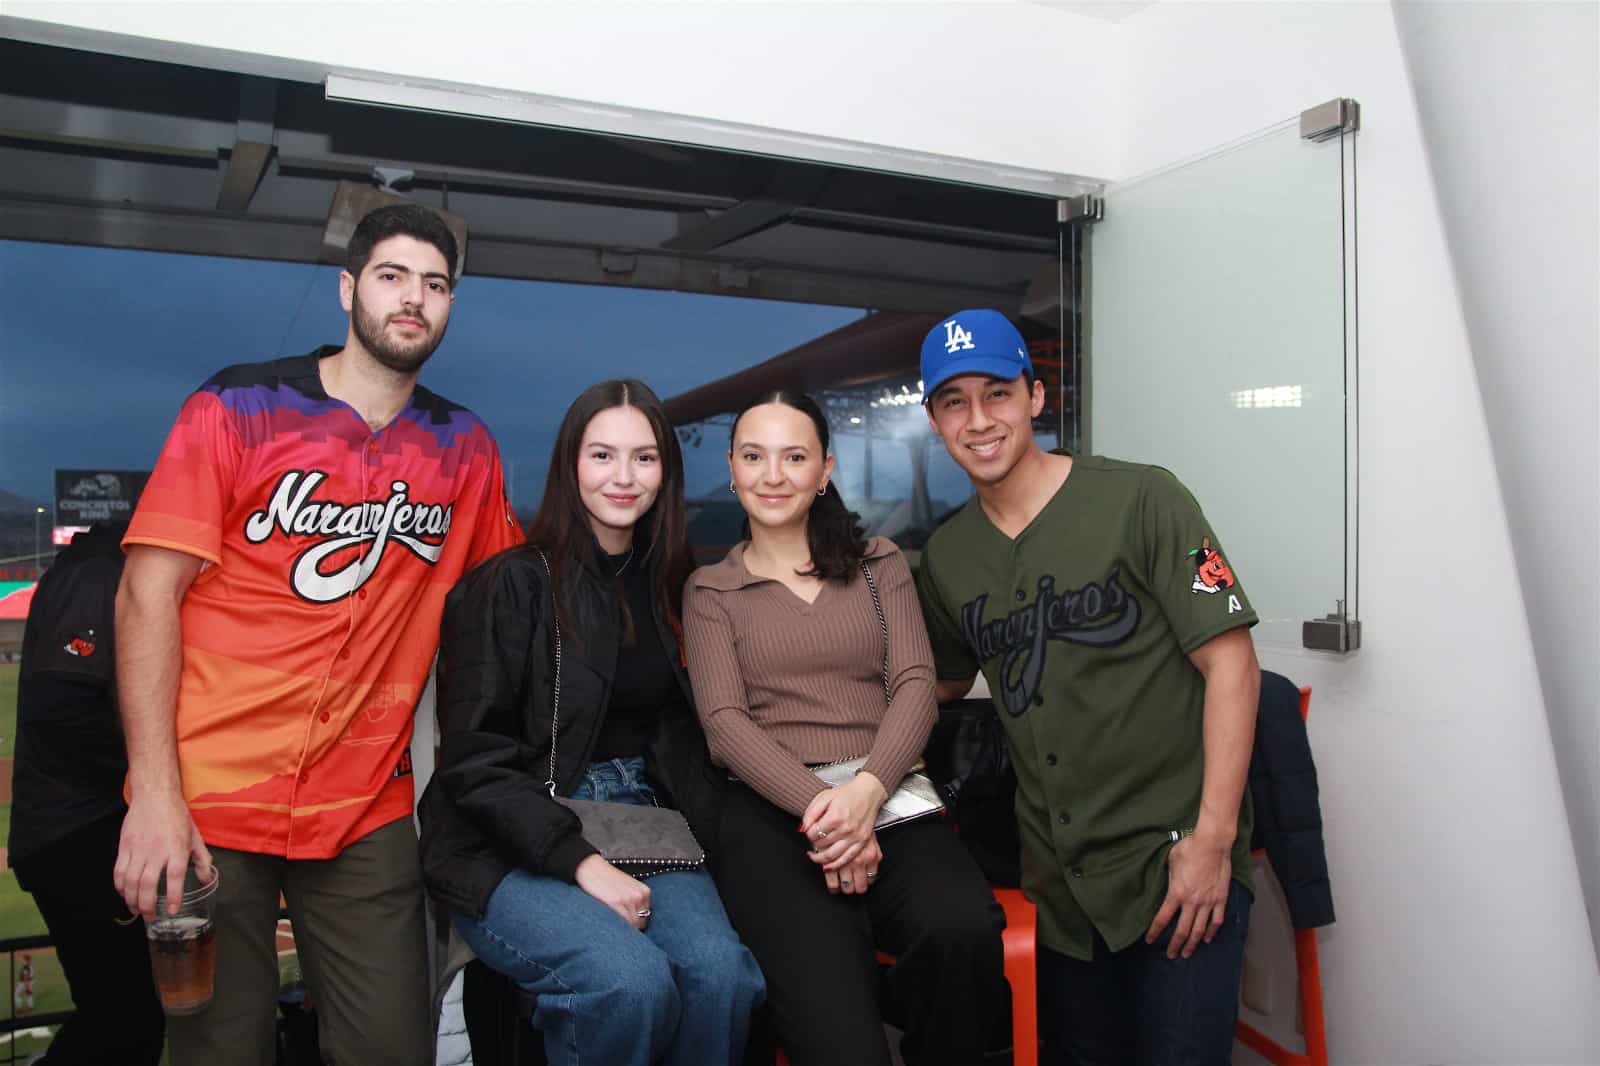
[(11, 503)]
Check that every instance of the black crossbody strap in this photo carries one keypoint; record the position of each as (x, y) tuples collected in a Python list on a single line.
[(555, 710), (883, 624)]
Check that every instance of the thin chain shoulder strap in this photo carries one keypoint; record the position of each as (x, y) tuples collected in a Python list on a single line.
[(555, 711), (883, 624)]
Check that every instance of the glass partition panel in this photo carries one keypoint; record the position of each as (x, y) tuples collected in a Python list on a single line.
[(1217, 348)]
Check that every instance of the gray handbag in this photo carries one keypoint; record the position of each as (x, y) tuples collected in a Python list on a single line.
[(640, 841)]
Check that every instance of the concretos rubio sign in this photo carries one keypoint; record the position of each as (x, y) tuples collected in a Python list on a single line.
[(84, 497)]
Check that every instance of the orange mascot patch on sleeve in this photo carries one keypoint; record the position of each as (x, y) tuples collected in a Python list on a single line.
[(1212, 572)]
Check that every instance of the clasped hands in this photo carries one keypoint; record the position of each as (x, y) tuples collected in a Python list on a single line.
[(838, 823)]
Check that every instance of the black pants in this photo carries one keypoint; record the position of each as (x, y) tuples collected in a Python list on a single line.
[(119, 1020), (1138, 1007), (929, 906)]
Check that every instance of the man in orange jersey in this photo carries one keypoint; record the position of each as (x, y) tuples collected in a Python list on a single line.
[(277, 617)]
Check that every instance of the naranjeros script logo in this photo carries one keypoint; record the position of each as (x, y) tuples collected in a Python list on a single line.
[(421, 528), (1101, 614)]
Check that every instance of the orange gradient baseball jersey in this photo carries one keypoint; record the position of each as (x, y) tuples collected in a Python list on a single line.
[(308, 636)]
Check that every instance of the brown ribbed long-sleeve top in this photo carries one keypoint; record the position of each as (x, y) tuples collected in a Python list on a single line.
[(780, 683)]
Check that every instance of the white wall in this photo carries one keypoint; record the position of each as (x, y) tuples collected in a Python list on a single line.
[(1462, 935), (1527, 274), (951, 79)]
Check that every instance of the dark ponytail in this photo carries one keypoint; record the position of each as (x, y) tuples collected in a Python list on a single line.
[(833, 532)]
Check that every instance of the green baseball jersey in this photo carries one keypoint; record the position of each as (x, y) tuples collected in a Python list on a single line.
[(1082, 626)]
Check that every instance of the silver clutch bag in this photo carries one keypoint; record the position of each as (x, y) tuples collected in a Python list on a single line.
[(914, 797)]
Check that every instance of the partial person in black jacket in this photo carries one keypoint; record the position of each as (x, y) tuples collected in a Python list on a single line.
[(626, 972), (67, 808)]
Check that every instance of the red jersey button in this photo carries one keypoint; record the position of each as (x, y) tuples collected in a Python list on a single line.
[(324, 716), (362, 594), (372, 445), (344, 653)]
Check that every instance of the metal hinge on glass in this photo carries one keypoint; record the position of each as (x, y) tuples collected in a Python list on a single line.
[(1332, 632)]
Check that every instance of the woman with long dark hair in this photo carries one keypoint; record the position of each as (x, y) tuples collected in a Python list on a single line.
[(560, 673), (794, 665)]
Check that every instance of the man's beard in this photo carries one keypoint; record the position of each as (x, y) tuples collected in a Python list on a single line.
[(403, 357)]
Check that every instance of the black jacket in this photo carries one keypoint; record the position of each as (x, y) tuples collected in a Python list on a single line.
[(71, 760), (487, 809), (1283, 788)]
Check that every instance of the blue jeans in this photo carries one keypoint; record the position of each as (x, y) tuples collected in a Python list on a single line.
[(1136, 1006), (678, 994)]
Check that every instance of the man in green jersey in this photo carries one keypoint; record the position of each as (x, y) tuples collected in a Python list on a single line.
[(1115, 639)]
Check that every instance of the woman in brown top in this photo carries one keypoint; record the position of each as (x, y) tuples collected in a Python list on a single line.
[(786, 655)]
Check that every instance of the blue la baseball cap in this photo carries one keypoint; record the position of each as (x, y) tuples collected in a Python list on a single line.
[(973, 342)]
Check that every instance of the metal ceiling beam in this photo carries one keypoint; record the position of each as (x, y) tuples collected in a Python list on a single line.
[(156, 230), (168, 136), (146, 133), (258, 109), (741, 220), (247, 163), (790, 188), (650, 268), (860, 222), (337, 165), (162, 136), (299, 240), (252, 146)]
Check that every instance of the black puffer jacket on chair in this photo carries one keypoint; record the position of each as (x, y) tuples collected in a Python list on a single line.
[(1283, 788)]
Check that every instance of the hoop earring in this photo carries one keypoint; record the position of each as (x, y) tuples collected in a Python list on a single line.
[(731, 488), (823, 491)]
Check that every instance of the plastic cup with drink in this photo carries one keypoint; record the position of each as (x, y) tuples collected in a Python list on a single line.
[(183, 946)]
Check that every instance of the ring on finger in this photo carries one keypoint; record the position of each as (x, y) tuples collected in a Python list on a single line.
[(643, 914), (871, 874), (844, 882)]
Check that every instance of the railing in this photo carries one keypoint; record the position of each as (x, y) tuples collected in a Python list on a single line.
[(10, 1025)]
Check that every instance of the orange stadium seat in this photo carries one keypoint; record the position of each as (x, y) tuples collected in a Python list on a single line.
[(1309, 974), (1018, 940)]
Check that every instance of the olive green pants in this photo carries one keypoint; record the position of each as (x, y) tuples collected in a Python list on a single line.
[(358, 927)]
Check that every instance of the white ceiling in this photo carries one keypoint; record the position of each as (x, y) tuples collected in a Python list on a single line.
[(1106, 10)]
